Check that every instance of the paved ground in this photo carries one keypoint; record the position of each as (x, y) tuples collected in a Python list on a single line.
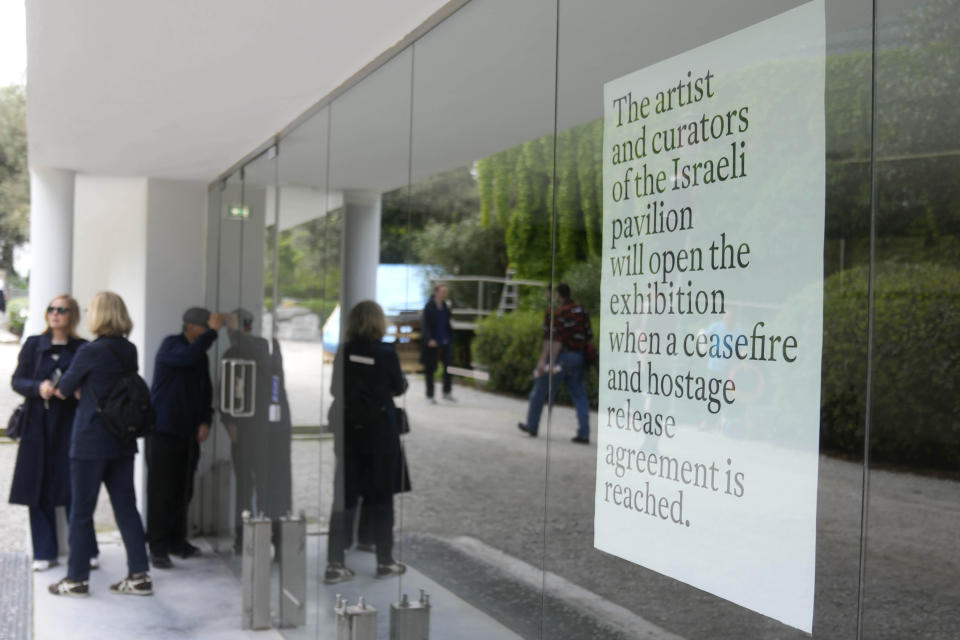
[(475, 475)]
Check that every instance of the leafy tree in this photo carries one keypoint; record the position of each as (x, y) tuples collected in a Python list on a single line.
[(14, 174), (516, 193), (445, 198)]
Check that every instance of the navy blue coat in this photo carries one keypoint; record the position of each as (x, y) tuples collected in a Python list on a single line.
[(96, 368), (42, 472), (181, 391), (374, 368)]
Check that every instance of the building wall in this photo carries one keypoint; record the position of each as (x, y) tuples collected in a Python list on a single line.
[(110, 245), (175, 266)]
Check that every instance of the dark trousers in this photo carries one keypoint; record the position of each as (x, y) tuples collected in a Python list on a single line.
[(366, 528), (431, 357), (43, 531), (85, 479), (243, 471), (371, 478), (171, 464)]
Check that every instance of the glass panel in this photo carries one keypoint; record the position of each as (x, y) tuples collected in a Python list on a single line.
[(369, 155), (224, 256), (305, 269), (477, 210), (613, 596), (911, 562)]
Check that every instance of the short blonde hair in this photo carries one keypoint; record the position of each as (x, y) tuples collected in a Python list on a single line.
[(108, 315), (366, 322), (74, 314)]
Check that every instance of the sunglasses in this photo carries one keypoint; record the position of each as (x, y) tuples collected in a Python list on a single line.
[(60, 310)]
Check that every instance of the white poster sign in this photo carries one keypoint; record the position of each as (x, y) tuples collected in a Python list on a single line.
[(711, 324)]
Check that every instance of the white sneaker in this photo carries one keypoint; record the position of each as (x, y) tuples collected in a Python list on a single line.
[(43, 565)]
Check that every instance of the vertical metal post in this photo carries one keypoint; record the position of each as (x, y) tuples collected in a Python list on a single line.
[(410, 620), (255, 572), (343, 620), (363, 621), (293, 571)]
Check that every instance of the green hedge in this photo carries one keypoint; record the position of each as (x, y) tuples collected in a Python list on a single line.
[(508, 347), (17, 314), (915, 414)]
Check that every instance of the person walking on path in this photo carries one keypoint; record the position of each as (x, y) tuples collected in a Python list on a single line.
[(436, 341), (182, 395), (370, 463), (564, 351), (41, 477), (99, 457)]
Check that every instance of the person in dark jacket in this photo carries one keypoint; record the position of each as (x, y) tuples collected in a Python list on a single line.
[(436, 341), (366, 377), (41, 477), (97, 456), (260, 443), (182, 395)]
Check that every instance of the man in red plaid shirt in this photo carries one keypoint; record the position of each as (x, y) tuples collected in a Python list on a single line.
[(565, 350)]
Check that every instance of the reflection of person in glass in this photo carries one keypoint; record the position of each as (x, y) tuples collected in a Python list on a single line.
[(436, 335), (260, 444), (366, 377), (571, 334)]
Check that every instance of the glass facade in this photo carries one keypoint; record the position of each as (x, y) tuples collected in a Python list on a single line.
[(475, 158)]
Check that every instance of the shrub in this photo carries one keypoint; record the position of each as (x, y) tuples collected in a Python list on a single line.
[(508, 346), (584, 281), (915, 417), (17, 314)]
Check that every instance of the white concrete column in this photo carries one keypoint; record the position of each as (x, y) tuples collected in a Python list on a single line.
[(51, 241), (360, 253)]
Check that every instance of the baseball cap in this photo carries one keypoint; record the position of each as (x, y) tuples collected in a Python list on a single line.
[(244, 317), (196, 315)]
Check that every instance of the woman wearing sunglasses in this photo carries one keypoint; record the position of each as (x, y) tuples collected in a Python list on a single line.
[(41, 477)]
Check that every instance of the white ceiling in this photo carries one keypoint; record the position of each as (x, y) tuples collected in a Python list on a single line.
[(182, 89)]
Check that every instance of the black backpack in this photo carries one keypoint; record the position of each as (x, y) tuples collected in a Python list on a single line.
[(127, 412)]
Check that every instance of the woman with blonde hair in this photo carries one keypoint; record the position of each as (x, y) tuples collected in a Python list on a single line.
[(41, 477), (366, 377), (99, 457)]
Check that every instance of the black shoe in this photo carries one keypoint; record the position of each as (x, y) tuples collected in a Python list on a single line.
[(161, 561), (523, 428), (580, 440), (186, 550), (392, 568), (336, 572)]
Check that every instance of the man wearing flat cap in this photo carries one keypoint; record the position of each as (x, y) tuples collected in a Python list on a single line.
[(182, 395)]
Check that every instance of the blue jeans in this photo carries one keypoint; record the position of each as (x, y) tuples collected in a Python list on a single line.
[(571, 375), (85, 478)]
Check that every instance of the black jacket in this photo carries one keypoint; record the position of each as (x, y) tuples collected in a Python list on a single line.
[(428, 324), (43, 463), (181, 391), (368, 372), (94, 370)]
